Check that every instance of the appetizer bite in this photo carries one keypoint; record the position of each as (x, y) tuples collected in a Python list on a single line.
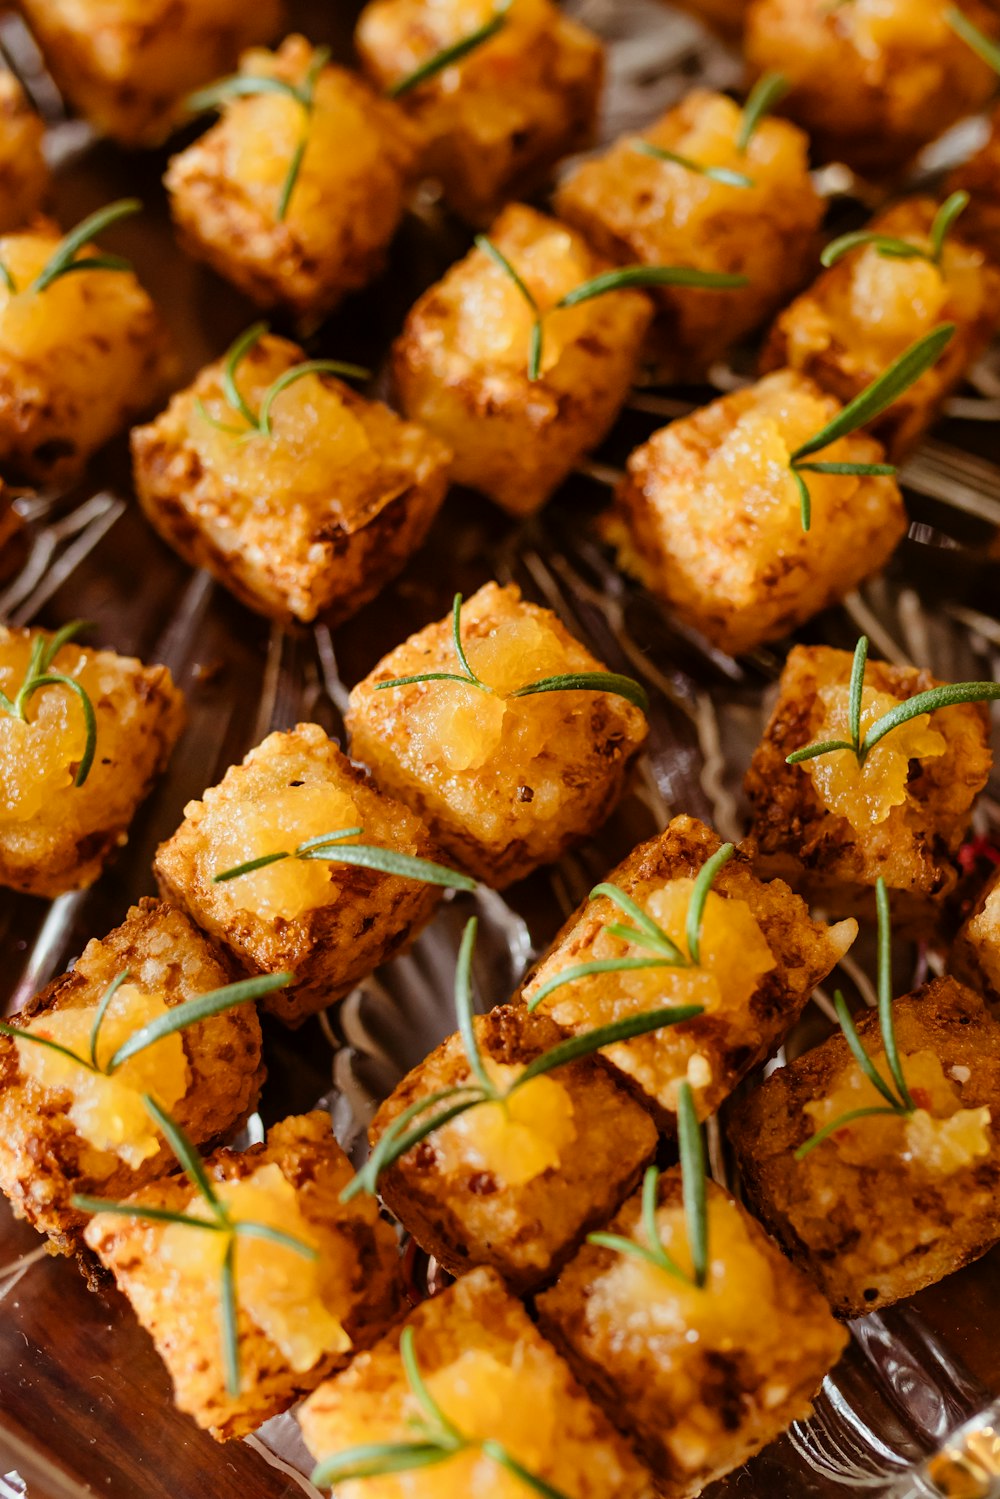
[(83, 735), (296, 861), (145, 1010), (715, 187), (975, 956), (501, 731), (980, 176), (516, 362), (875, 1158), (716, 517), (466, 1398), (301, 497), (690, 1327), (295, 193), (868, 770), (684, 921), (872, 81), (908, 272), (24, 175), (509, 1142), (253, 1279), (125, 64), (499, 90), (82, 348)]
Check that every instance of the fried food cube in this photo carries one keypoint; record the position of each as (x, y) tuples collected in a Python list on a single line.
[(637, 209), (975, 956), (493, 124), (504, 783), (514, 1186), (228, 189), (868, 308), (54, 834), (66, 1128), (78, 359), (461, 364), (701, 1378), (980, 178), (831, 827), (708, 515), (497, 1380), (126, 64), (330, 924), (892, 1202), (298, 1319), (761, 957), (308, 519), (24, 176), (873, 82)]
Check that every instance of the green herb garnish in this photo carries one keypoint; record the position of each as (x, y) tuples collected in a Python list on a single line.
[(582, 681), (980, 43), (768, 91), (429, 1114), (63, 261), (330, 846), (913, 707), (600, 286), (898, 1099), (865, 407), (453, 54), (646, 933), (436, 1440), (259, 423), (39, 674), (177, 1018), (725, 175), (892, 248), (244, 85), (692, 1154), (220, 1222)]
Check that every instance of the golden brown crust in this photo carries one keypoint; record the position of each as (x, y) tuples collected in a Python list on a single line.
[(466, 1216), (311, 1160), (832, 864), (725, 1045), (292, 556), (583, 1454), (823, 332), (43, 1160), (870, 1235), (975, 955), (697, 1404), (331, 948)]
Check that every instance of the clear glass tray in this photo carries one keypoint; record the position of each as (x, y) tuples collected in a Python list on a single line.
[(84, 1402)]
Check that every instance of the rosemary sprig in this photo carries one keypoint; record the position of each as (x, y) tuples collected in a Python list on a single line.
[(259, 423), (448, 56), (219, 1221), (725, 175), (177, 1018), (437, 1439), (429, 1114), (39, 674), (865, 407), (898, 1099), (600, 286), (583, 681), (970, 33), (891, 248), (63, 261), (646, 933), (913, 707), (330, 846), (692, 1154), (768, 91), (244, 85)]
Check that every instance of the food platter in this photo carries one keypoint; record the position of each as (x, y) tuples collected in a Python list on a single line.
[(84, 1403)]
